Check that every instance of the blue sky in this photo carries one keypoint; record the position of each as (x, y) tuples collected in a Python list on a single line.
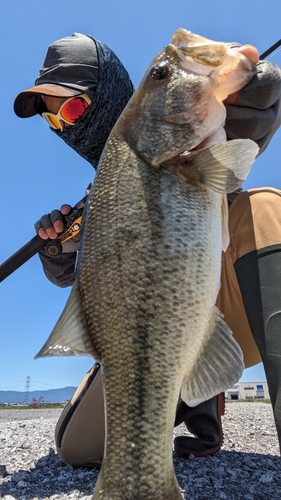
[(39, 172)]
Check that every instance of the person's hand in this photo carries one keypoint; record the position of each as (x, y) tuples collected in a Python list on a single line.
[(252, 54), (51, 225)]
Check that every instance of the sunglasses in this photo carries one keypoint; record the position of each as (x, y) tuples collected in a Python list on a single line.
[(70, 111)]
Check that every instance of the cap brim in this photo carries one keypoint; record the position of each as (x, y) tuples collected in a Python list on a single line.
[(27, 103)]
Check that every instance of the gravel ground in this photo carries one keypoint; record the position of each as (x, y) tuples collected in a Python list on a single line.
[(248, 466)]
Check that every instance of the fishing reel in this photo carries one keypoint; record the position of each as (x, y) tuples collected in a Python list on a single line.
[(73, 224)]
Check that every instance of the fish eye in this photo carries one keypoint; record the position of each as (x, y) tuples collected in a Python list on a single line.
[(160, 71)]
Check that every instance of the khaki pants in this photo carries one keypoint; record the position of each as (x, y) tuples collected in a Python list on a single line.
[(254, 223)]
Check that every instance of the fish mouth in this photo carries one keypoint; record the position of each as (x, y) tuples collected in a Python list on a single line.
[(206, 55), (199, 51), (185, 38)]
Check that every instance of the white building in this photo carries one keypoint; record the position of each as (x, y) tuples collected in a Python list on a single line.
[(248, 390)]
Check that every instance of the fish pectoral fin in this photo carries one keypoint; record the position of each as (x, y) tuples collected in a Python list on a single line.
[(219, 366), (70, 335), (222, 167)]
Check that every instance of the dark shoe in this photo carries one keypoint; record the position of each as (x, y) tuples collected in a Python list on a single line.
[(259, 277), (204, 421)]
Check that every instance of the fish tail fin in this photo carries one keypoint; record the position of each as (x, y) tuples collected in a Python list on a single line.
[(223, 167), (69, 336)]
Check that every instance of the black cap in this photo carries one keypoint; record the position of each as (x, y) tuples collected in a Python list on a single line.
[(70, 68)]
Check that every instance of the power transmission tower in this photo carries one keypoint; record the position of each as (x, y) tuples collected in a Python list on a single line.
[(27, 387)]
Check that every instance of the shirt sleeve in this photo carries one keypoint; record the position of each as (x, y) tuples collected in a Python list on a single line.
[(59, 270)]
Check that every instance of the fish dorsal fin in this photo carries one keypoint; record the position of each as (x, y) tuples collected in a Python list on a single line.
[(224, 222), (222, 167), (218, 367), (72, 319)]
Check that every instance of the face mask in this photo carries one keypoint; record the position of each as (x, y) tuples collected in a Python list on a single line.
[(88, 136)]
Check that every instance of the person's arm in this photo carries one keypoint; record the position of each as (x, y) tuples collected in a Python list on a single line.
[(59, 270)]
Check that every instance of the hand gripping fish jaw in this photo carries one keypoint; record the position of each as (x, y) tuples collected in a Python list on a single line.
[(180, 99)]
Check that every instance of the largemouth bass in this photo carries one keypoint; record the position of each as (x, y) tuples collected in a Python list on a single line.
[(148, 275)]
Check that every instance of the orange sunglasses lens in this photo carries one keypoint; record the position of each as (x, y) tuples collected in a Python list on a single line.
[(54, 122), (73, 109)]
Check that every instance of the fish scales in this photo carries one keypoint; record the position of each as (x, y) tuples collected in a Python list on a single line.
[(143, 302), (143, 280)]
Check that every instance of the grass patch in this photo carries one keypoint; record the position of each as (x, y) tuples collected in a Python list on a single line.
[(30, 407)]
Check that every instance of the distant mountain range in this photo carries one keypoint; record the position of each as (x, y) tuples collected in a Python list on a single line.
[(50, 395)]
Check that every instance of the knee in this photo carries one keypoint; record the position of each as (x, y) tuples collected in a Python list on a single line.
[(255, 220)]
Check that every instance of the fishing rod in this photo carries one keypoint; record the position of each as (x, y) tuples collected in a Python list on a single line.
[(271, 49)]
